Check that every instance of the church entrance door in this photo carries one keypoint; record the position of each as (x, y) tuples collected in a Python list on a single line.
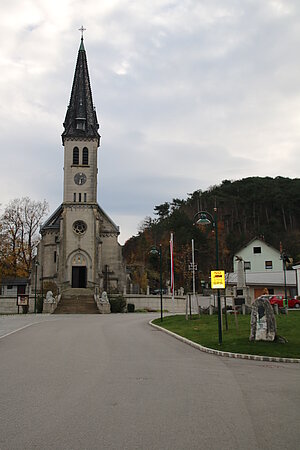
[(78, 277)]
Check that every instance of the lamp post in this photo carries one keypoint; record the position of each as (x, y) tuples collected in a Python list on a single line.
[(205, 218), (285, 260), (193, 268), (35, 285), (154, 251)]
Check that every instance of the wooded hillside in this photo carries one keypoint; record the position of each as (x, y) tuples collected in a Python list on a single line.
[(264, 207)]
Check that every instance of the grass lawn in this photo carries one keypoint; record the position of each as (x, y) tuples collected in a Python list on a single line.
[(204, 331)]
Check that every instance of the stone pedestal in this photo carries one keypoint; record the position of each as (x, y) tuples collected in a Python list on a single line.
[(104, 308)]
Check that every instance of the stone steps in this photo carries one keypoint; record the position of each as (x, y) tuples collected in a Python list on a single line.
[(77, 301)]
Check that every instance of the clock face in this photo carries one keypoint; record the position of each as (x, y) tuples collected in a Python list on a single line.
[(80, 178)]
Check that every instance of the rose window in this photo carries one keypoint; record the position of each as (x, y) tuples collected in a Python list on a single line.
[(79, 227)]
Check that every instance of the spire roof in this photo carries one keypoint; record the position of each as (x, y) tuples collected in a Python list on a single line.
[(81, 118)]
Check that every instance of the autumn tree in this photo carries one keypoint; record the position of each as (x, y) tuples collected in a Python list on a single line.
[(19, 226)]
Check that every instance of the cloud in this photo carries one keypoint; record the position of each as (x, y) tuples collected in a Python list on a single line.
[(188, 93)]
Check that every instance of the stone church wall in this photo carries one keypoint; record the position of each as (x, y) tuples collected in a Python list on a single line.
[(49, 255), (111, 255)]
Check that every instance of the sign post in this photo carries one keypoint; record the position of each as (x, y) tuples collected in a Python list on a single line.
[(217, 279), (22, 300), (218, 282)]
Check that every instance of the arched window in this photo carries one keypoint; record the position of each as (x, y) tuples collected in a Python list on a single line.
[(85, 156), (75, 155)]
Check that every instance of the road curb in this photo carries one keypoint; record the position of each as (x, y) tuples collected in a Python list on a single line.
[(225, 354)]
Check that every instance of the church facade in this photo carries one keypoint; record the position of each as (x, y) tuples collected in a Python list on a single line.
[(79, 242)]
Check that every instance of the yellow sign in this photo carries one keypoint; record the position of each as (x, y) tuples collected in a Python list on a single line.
[(217, 279)]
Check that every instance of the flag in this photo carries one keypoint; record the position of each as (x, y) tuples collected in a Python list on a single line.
[(172, 264)]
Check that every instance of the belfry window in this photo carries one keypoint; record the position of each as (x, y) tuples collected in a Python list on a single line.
[(79, 199), (76, 155), (85, 156), (74, 197), (84, 197), (80, 123)]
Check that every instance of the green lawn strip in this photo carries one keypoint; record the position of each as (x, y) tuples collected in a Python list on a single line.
[(204, 331)]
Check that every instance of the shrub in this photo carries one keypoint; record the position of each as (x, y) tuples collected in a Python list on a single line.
[(130, 307), (117, 304)]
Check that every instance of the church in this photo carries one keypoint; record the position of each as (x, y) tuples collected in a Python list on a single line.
[(79, 245)]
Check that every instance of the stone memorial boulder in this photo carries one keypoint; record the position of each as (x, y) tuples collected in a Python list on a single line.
[(263, 323)]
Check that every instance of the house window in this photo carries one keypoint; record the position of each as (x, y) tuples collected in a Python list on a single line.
[(9, 286), (256, 249), (271, 291), (76, 155), (54, 256), (85, 156), (85, 197), (247, 265), (74, 196), (79, 195), (268, 264)]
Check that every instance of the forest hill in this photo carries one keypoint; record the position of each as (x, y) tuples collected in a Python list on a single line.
[(265, 207)]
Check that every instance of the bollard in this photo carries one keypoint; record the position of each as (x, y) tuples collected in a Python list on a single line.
[(211, 310), (276, 309), (243, 309)]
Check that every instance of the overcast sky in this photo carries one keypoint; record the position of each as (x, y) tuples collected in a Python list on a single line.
[(188, 93)]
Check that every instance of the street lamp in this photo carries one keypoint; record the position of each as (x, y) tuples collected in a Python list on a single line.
[(205, 218), (154, 251), (285, 259), (35, 284)]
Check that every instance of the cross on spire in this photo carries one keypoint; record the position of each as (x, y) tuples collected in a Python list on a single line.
[(82, 30)]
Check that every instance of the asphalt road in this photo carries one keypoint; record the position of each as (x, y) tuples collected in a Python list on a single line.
[(114, 382)]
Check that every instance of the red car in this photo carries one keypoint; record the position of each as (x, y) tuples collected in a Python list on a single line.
[(279, 300)]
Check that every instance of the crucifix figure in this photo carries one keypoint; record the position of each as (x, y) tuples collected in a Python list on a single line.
[(82, 30)]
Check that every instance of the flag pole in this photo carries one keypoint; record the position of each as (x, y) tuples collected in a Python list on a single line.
[(172, 271)]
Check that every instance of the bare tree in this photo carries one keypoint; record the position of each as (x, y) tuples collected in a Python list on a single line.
[(19, 234)]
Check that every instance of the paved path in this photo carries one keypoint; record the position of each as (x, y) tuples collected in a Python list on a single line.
[(113, 382)]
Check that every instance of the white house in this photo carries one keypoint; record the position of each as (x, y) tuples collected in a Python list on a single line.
[(258, 256), (258, 269)]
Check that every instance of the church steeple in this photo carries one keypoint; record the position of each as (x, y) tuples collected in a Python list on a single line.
[(81, 118)]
